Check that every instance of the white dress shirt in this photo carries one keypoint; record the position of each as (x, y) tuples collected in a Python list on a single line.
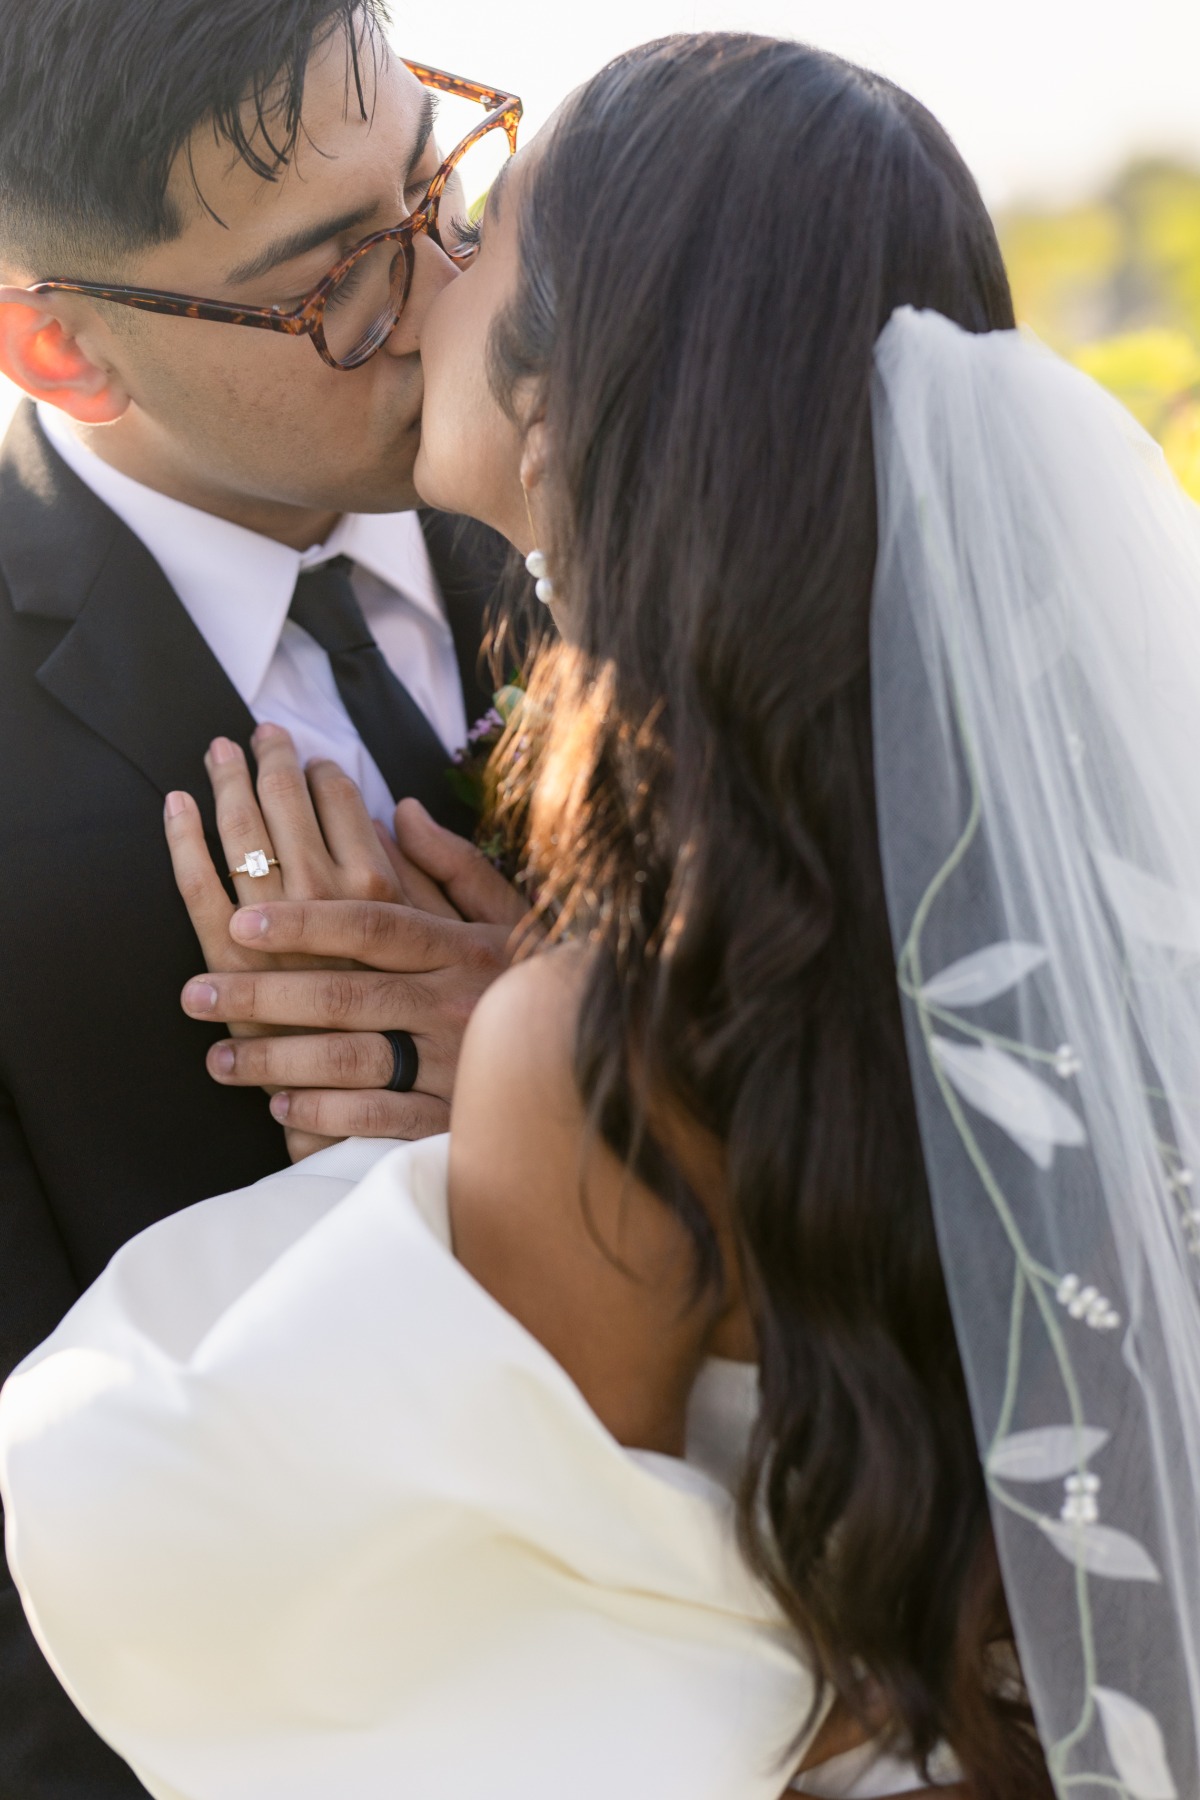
[(237, 587)]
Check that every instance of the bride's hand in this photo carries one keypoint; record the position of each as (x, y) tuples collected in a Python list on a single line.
[(310, 824), (312, 827)]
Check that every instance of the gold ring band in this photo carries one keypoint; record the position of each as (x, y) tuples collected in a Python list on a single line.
[(256, 865)]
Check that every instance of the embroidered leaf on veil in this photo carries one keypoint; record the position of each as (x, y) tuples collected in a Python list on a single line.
[(1101, 1550), (1148, 908), (998, 1086), (984, 975), (1045, 1454), (1135, 1743)]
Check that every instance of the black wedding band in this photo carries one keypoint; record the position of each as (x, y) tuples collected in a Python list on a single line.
[(406, 1062)]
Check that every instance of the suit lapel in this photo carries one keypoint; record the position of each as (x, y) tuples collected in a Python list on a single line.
[(131, 666), (468, 560)]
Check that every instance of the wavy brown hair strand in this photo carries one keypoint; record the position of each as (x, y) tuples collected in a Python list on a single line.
[(712, 240)]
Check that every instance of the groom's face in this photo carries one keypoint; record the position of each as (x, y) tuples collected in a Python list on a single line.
[(256, 414)]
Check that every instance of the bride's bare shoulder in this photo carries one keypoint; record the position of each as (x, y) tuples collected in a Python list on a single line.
[(548, 1219), (517, 1063), (544, 992)]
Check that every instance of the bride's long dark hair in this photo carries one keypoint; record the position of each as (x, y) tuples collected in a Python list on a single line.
[(712, 241)]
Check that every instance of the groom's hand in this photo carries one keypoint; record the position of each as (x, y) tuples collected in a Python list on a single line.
[(422, 974), (418, 971)]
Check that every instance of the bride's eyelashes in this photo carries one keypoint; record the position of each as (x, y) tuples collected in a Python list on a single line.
[(469, 234)]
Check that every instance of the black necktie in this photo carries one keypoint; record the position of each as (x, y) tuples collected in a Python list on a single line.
[(408, 752)]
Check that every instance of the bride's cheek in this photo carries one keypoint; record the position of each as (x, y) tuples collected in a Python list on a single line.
[(447, 355), (465, 438)]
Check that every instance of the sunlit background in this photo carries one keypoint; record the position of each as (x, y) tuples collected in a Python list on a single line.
[(1085, 140)]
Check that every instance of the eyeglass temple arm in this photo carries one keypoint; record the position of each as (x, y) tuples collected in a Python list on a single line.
[(183, 306), (494, 99)]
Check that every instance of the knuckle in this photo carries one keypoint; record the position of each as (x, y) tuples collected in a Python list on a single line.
[(338, 789), (434, 1118), (291, 919), (305, 875), (282, 781), (456, 1010), (419, 1118), (373, 927), (429, 938), (371, 1115), (348, 1060), (238, 820), (310, 919), (327, 773), (339, 996), (342, 788), (373, 884), (483, 956), (193, 886), (405, 999)]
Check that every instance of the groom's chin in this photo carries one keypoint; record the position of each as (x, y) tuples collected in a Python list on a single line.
[(384, 484)]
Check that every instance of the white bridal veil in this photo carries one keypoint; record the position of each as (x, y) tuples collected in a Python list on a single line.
[(1036, 668)]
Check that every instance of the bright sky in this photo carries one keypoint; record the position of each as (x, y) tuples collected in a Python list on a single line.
[(1043, 97)]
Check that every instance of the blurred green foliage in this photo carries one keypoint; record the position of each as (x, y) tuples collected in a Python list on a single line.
[(1115, 285)]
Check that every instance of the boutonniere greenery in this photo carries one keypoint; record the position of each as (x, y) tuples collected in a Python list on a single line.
[(471, 775)]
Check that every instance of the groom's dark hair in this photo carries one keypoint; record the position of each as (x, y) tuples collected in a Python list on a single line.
[(99, 97)]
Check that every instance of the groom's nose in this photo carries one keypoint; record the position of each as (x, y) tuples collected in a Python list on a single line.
[(432, 271)]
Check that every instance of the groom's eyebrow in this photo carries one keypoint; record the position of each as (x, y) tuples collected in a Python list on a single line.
[(311, 237), (298, 243)]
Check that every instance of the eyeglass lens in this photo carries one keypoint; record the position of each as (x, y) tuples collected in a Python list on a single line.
[(362, 309), (467, 190), (364, 306)]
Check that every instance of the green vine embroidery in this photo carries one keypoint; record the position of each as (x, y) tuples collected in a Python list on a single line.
[(1053, 1451)]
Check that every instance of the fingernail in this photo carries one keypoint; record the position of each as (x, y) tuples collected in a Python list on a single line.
[(176, 803), (222, 751), (199, 996), (280, 1106), (249, 923), (267, 730), (222, 1059)]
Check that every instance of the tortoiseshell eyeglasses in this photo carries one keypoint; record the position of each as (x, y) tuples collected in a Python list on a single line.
[(353, 310)]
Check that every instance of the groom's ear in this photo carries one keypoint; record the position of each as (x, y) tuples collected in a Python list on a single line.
[(41, 352)]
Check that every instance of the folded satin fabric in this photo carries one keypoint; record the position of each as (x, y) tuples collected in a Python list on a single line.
[(298, 1511)]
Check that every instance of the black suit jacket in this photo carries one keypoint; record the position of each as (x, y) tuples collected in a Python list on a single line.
[(109, 697)]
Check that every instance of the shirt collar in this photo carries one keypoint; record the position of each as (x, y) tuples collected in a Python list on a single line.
[(392, 547), (235, 585)]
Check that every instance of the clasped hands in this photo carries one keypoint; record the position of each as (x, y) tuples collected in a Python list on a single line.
[(351, 935)]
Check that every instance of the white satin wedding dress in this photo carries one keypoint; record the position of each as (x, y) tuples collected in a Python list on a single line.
[(298, 1512)]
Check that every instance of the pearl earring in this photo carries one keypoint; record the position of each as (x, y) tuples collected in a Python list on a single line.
[(535, 562)]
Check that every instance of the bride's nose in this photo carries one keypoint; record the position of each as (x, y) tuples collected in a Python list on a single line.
[(433, 272)]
